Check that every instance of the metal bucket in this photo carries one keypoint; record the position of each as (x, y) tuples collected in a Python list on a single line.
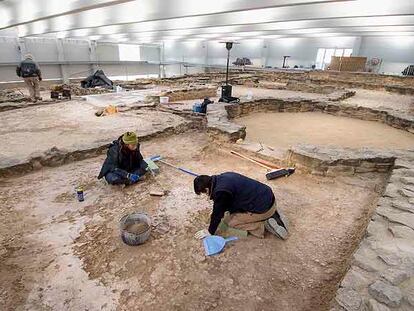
[(141, 223)]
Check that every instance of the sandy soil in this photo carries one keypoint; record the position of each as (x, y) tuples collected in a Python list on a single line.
[(71, 126), (288, 129), (383, 100), (242, 91), (60, 254)]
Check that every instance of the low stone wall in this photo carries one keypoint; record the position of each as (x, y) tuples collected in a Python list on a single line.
[(56, 157), (397, 84), (315, 81), (323, 161), (381, 276), (190, 93), (328, 161), (295, 86), (393, 119), (219, 127)]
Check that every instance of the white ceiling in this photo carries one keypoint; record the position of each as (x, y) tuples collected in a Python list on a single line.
[(151, 21)]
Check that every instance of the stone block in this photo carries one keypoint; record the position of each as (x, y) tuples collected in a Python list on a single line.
[(376, 228), (385, 293), (366, 259), (406, 193), (408, 187), (402, 232), (390, 259), (374, 305), (392, 190), (408, 295), (407, 180), (396, 276), (354, 279), (396, 216), (403, 205), (349, 299)]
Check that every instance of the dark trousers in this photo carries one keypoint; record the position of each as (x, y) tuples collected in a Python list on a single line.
[(113, 178)]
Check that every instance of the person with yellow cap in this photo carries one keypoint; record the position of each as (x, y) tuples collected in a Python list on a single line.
[(124, 163)]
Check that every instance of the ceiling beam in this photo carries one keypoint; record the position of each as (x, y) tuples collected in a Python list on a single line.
[(147, 11), (18, 12), (351, 31), (385, 21)]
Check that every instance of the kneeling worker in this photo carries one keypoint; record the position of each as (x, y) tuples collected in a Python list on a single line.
[(251, 204), (124, 163)]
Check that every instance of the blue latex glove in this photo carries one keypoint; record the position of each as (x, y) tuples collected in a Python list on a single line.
[(133, 177)]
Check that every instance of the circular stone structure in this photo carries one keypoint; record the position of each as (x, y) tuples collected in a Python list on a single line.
[(288, 129)]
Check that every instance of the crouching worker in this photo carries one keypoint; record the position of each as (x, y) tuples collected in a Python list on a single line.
[(251, 205), (124, 163)]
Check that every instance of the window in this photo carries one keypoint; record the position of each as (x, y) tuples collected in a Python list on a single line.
[(347, 52), (129, 52), (323, 57)]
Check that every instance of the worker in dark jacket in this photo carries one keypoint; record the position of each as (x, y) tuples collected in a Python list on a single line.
[(30, 72), (251, 205), (124, 163)]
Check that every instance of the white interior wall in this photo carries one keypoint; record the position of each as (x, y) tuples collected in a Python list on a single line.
[(396, 52), (46, 50), (302, 51), (191, 51)]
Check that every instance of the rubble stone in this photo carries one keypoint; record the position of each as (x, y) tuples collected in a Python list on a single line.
[(395, 276), (349, 299), (374, 305), (402, 232), (385, 293)]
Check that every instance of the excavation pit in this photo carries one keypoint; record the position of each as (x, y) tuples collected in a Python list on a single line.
[(283, 130), (74, 247), (80, 241)]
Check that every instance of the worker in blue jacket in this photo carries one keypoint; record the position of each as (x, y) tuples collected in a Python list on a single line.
[(124, 163), (251, 205)]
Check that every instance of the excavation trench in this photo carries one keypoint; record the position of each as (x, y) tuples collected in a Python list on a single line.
[(75, 247), (328, 217)]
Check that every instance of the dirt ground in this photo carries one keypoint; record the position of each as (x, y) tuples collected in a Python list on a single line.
[(288, 129), (71, 126), (382, 100), (60, 254)]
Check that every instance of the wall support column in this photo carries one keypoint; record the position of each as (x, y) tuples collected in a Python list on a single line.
[(161, 73), (61, 58), (21, 45), (357, 46), (93, 57), (265, 53)]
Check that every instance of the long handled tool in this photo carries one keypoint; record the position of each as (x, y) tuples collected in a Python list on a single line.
[(258, 162), (272, 173), (158, 158)]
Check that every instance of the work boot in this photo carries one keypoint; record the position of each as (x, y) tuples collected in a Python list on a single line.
[(281, 220), (273, 227)]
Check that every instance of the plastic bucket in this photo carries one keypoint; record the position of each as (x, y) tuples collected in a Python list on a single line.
[(164, 99)]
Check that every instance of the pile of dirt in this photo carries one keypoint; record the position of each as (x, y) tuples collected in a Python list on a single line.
[(194, 92), (77, 90), (188, 80), (12, 96), (139, 84)]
